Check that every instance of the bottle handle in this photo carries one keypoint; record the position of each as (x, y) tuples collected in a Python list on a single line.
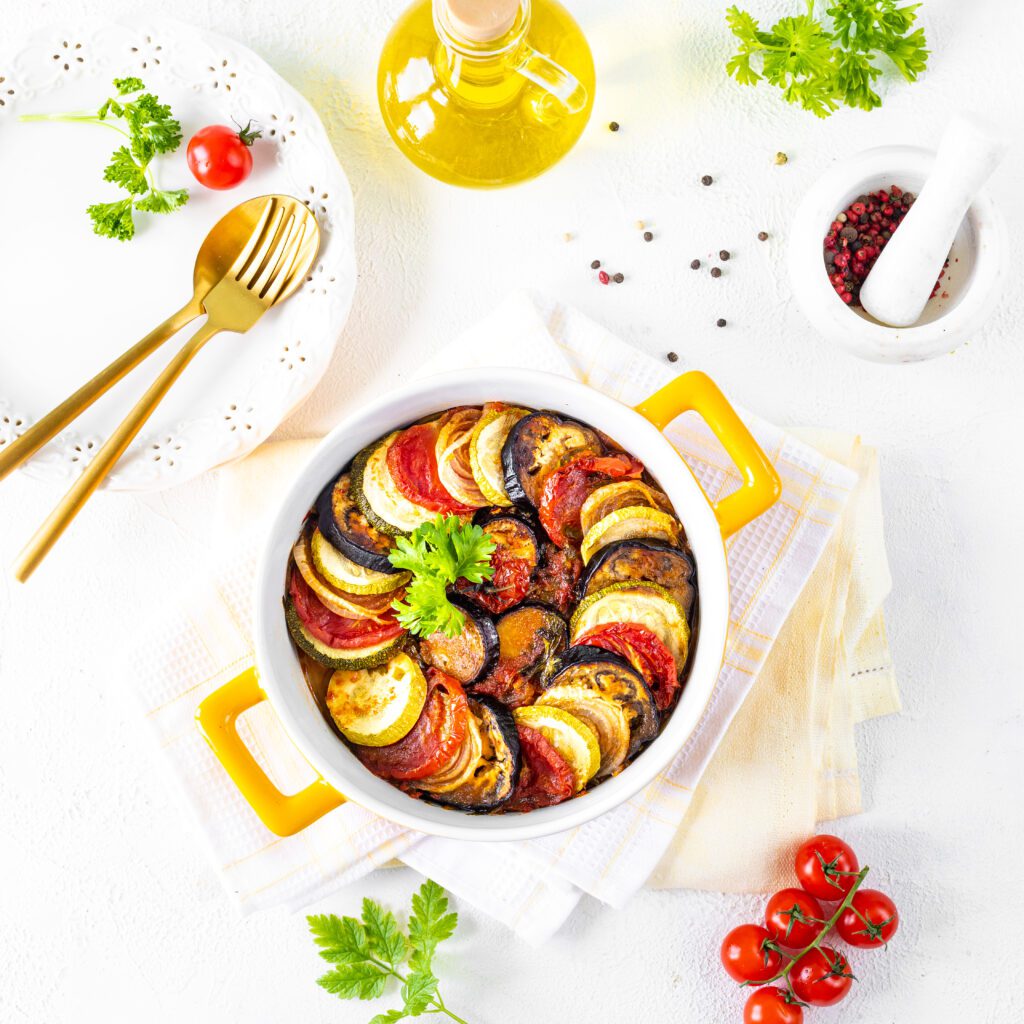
[(551, 77)]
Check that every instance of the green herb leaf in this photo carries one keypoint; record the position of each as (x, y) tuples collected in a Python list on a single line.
[(388, 1018), (386, 940), (125, 86), (418, 992), (124, 171), (438, 553), (113, 220), (159, 201), (821, 65), (342, 940), (354, 981), (429, 925)]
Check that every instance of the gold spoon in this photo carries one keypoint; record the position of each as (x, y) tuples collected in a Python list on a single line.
[(221, 248), (270, 266)]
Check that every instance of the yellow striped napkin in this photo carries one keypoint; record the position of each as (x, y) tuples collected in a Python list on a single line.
[(664, 834)]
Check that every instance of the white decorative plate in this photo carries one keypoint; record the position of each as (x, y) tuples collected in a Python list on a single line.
[(71, 301)]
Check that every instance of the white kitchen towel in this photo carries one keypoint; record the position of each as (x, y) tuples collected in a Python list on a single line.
[(532, 886)]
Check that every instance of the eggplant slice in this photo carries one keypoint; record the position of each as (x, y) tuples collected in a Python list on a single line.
[(588, 674), (648, 561), (497, 771), (468, 656), (344, 525), (517, 534), (536, 445)]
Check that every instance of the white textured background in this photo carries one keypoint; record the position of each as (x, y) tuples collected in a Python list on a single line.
[(108, 911)]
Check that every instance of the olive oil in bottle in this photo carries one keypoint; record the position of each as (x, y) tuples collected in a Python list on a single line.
[(485, 93)]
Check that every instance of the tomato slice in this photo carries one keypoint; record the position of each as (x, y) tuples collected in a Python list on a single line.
[(336, 630), (432, 742), (412, 463), (545, 777), (554, 582), (644, 650), (567, 487), (507, 684), (507, 587)]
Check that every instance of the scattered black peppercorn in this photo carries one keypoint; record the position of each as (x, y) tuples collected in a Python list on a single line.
[(595, 265), (695, 264), (672, 357), (618, 278), (762, 236), (613, 126), (648, 236), (706, 180), (716, 271), (724, 254), (720, 322)]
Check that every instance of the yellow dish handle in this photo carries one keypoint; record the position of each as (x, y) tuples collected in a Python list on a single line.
[(217, 718), (697, 392)]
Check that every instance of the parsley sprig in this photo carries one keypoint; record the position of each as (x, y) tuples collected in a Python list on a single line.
[(822, 65), (366, 953), (438, 553), (150, 129)]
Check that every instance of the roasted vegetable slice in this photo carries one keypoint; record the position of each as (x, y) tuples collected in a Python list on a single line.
[(412, 465), (651, 561), (454, 467), (378, 496), (567, 489), (607, 693), (375, 707), (432, 742), (620, 494), (343, 523), (348, 605), (627, 523), (513, 560), (572, 737), (485, 447), (545, 777), (471, 654), (496, 773), (647, 604), (644, 651), (459, 770), (528, 637), (334, 640), (344, 574), (536, 446)]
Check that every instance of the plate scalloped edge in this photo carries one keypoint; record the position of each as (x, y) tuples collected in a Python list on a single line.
[(175, 54)]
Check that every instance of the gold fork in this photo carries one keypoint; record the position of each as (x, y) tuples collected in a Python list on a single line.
[(267, 270)]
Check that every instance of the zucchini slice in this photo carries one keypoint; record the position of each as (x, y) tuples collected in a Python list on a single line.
[(348, 605), (341, 572), (378, 495), (342, 522), (485, 447), (620, 494), (607, 693), (375, 707), (627, 523), (652, 561), (536, 445), (468, 656), (647, 604), (496, 771), (573, 738), (337, 657)]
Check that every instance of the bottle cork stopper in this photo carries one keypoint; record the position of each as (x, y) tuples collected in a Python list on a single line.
[(482, 21)]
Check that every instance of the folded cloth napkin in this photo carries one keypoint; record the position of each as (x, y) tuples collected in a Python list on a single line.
[(665, 833)]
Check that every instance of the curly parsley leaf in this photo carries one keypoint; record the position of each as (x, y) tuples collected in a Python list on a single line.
[(439, 553), (151, 129), (366, 953), (823, 65)]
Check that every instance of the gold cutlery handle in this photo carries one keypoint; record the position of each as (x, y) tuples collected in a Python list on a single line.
[(98, 469), (25, 446)]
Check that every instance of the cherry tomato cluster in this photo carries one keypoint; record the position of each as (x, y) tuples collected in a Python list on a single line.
[(789, 948)]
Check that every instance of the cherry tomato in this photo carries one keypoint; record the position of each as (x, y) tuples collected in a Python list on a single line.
[(822, 977), (772, 1006), (882, 920), (220, 157), (826, 867), (745, 956), (786, 918)]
